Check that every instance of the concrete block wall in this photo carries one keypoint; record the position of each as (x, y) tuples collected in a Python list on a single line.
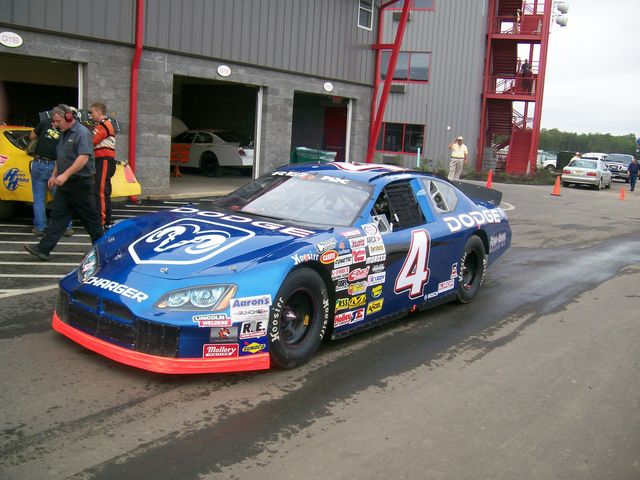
[(107, 70)]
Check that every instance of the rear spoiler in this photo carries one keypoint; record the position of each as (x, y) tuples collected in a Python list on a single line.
[(488, 197)]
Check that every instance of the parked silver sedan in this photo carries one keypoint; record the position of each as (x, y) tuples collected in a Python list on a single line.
[(587, 171)]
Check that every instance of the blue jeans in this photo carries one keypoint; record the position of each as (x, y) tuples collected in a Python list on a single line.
[(40, 174)]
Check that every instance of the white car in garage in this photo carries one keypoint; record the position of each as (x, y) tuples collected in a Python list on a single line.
[(210, 150)]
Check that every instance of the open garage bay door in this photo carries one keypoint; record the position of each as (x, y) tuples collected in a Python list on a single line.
[(220, 122), (32, 85)]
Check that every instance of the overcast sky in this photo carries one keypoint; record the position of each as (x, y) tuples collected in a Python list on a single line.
[(593, 69)]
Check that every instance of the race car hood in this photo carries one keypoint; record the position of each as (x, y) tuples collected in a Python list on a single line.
[(186, 242)]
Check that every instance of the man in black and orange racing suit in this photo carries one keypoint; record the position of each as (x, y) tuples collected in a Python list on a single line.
[(104, 145)]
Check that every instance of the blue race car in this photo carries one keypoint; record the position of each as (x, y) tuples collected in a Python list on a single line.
[(299, 254)]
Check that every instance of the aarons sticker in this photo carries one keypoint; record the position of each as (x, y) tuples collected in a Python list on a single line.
[(187, 241)]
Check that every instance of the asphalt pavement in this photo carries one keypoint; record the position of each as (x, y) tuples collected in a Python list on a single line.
[(536, 379)]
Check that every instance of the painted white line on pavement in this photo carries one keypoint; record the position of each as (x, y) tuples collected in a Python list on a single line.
[(84, 244), (27, 275), (57, 264), (506, 206), (19, 252), (31, 234), (24, 291)]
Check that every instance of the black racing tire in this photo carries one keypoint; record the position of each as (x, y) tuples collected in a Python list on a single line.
[(472, 267), (6, 209), (299, 318), (209, 164)]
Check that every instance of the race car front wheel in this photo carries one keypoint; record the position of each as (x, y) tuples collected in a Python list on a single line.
[(299, 317), (472, 268)]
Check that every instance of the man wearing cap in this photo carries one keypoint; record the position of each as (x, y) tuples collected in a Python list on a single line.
[(459, 154), (575, 157), (73, 176)]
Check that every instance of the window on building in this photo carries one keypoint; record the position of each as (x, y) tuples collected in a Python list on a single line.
[(365, 14), (401, 138), (417, 5), (410, 67)]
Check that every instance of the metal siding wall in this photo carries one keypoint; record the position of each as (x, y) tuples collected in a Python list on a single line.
[(112, 20), (312, 37), (454, 34)]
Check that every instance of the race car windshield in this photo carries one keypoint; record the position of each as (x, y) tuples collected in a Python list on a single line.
[(306, 198)]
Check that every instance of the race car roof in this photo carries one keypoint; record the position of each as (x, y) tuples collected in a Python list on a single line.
[(362, 172)]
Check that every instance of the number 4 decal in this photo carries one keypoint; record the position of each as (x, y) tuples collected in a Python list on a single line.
[(415, 270)]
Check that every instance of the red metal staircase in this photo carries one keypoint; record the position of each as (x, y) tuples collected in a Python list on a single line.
[(511, 101)]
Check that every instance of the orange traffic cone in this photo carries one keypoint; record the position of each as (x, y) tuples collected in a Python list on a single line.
[(621, 197), (556, 187), (490, 179)]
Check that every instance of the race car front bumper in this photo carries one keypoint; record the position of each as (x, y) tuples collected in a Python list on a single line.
[(153, 363)]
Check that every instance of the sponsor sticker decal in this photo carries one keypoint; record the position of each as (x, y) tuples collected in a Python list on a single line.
[(377, 249), (357, 242), (377, 278), (13, 178), (342, 285), (187, 241), (358, 274), (339, 273), (342, 304), (496, 242), (343, 261), (225, 350), (253, 328), (212, 320), (446, 285), (454, 270), (359, 287), (258, 301), (473, 219), (359, 255), (305, 257), (118, 288), (358, 301), (326, 245), (370, 228), (253, 347), (377, 259), (224, 334), (3, 159), (328, 257), (376, 291), (375, 306)]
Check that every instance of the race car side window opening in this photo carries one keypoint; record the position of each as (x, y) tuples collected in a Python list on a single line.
[(396, 208), (442, 195), (306, 198), (185, 137)]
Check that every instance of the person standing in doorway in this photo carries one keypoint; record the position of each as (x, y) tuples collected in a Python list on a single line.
[(74, 177), (633, 173), (104, 144), (459, 155), (44, 160)]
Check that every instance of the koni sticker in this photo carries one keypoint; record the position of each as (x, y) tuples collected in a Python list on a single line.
[(375, 306)]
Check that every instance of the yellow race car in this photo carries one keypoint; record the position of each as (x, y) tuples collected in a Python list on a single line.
[(16, 177)]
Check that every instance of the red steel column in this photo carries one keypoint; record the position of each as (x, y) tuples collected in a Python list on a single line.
[(133, 90), (379, 112)]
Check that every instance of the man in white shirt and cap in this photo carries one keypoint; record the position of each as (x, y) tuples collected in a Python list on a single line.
[(459, 155)]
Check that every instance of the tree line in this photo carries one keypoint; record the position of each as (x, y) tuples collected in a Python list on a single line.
[(557, 141)]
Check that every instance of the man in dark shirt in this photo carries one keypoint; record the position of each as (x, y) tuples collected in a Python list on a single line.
[(73, 175), (44, 160), (633, 173)]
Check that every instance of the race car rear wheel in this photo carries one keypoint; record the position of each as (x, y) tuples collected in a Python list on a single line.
[(209, 164), (298, 318), (473, 265)]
